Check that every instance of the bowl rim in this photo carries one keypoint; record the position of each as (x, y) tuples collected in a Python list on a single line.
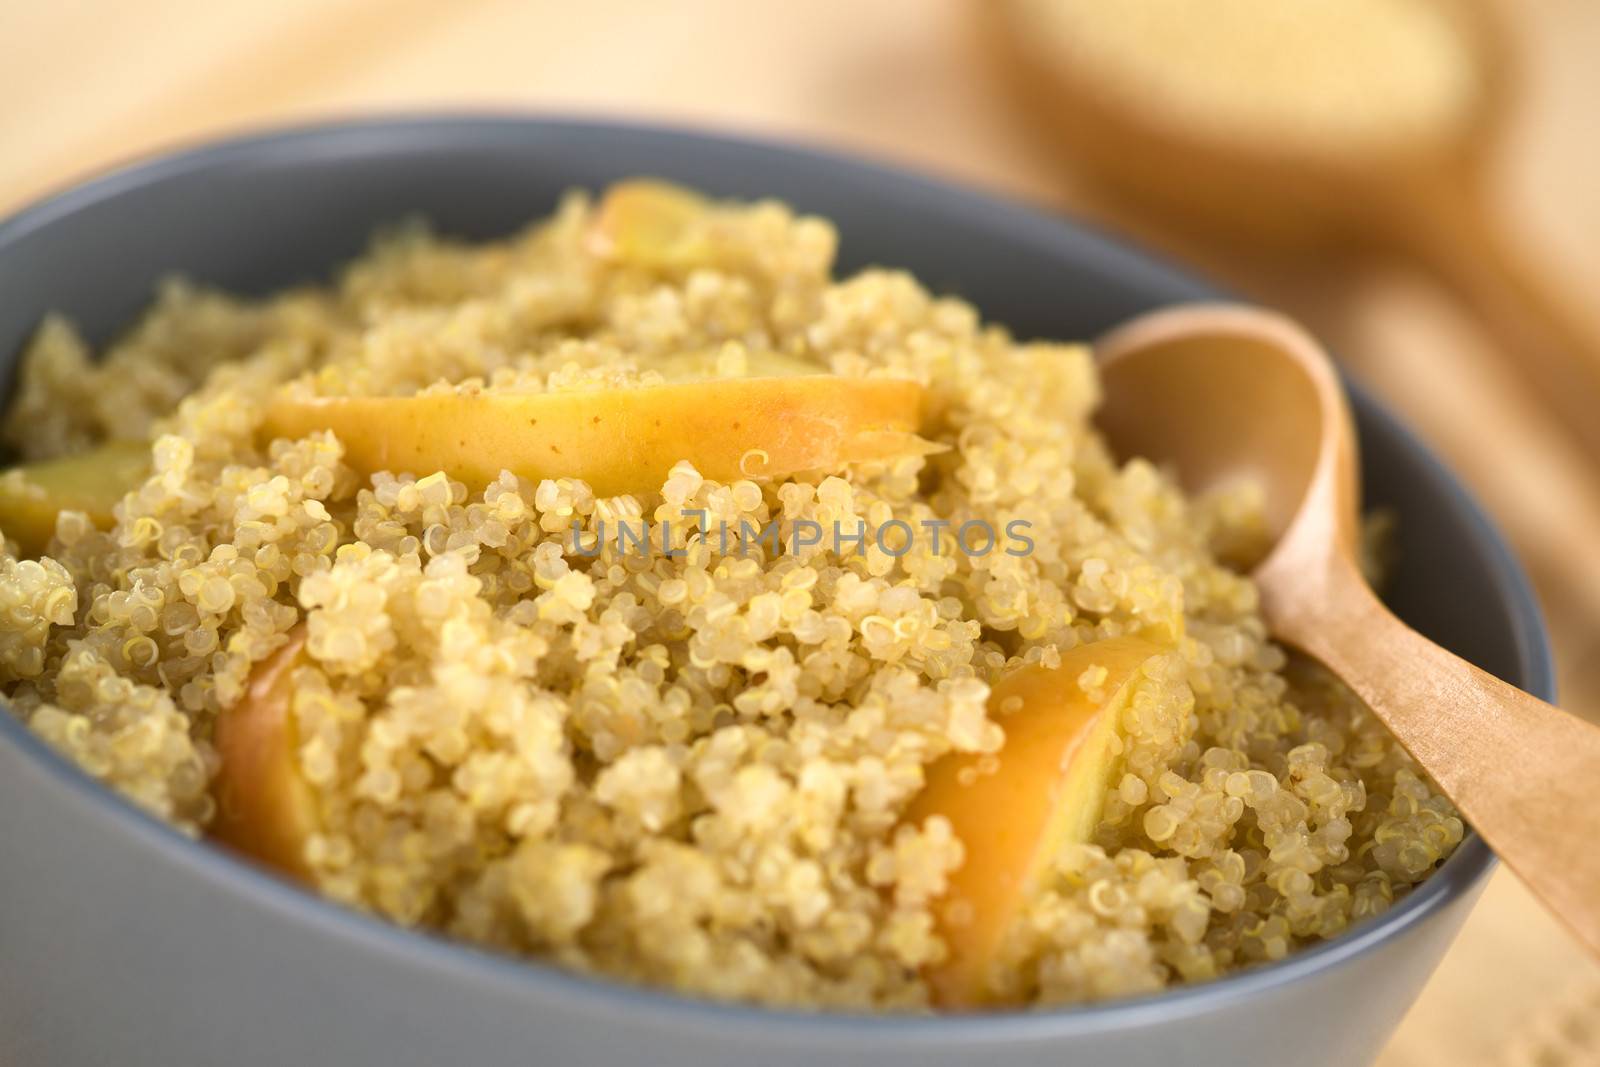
[(1010, 220)]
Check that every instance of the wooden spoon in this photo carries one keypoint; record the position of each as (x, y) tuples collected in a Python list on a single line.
[(1225, 392), (1298, 125)]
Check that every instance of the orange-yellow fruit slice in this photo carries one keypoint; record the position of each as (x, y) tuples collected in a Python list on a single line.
[(1047, 789), (264, 807), (651, 223), (92, 482), (626, 439)]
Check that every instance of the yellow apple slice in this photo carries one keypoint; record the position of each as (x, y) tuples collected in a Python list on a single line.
[(31, 496), (1047, 789), (264, 808), (651, 223), (625, 439)]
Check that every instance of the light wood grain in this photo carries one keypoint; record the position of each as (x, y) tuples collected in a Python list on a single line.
[(90, 83)]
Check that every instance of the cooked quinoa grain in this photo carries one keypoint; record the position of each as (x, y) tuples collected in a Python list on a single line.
[(686, 767)]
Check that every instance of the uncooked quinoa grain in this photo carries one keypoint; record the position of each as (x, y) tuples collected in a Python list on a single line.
[(686, 769)]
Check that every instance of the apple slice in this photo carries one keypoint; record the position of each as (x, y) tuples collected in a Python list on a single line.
[(1047, 789), (624, 439), (31, 496), (652, 224), (264, 808)]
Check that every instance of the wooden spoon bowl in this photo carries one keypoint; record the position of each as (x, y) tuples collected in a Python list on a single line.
[(1308, 125), (1225, 391)]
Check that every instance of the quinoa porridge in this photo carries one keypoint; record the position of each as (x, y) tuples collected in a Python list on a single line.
[(633, 595)]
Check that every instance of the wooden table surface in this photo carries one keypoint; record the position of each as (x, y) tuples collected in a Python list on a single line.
[(92, 83)]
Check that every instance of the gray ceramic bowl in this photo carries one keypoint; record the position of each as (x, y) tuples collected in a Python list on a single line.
[(123, 942)]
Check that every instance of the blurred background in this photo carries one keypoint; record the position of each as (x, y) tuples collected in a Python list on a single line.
[(1416, 179)]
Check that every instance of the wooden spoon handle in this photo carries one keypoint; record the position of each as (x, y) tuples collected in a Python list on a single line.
[(1524, 773), (1452, 225)]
